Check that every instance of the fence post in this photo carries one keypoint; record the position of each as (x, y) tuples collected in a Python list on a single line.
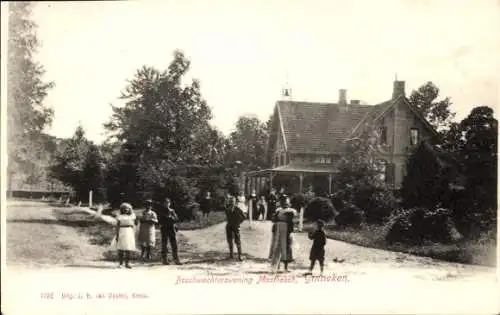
[(90, 198), (301, 219)]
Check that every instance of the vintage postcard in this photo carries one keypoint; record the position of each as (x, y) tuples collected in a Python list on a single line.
[(250, 157)]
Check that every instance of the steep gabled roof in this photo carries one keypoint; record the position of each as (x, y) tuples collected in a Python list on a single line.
[(323, 127)]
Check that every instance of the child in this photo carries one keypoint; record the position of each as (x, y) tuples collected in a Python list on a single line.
[(147, 231), (318, 247), (125, 232)]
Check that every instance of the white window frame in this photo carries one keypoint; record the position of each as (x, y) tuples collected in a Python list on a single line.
[(414, 136)]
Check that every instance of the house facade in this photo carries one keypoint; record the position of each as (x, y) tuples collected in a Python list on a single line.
[(307, 140)]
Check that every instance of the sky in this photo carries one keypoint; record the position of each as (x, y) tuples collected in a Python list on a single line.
[(243, 52)]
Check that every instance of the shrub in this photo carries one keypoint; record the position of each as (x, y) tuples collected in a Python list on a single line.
[(319, 208), (416, 225), (379, 206), (338, 198), (298, 201), (377, 203), (350, 215)]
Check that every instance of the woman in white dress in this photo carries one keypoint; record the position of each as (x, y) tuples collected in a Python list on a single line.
[(281, 243), (125, 224)]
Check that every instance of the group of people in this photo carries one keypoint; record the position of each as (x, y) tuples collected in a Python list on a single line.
[(126, 221), (282, 239), (256, 207), (282, 216)]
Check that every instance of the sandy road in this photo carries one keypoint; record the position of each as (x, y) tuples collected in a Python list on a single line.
[(378, 281)]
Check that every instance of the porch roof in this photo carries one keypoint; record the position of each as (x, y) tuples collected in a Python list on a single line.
[(320, 169)]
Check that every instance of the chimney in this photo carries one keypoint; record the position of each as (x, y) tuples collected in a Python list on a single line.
[(398, 89), (355, 102), (342, 97)]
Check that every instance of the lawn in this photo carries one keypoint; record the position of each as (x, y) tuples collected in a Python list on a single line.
[(468, 252)]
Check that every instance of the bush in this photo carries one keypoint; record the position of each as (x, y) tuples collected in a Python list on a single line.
[(350, 215), (298, 201), (379, 206), (319, 208), (338, 198), (415, 225), (377, 203)]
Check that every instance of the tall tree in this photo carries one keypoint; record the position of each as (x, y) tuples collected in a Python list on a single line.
[(359, 165), (26, 91), (426, 182), (163, 127), (479, 156), (437, 112), (249, 142), (161, 117), (80, 164)]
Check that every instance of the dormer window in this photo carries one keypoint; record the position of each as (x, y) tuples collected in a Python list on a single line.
[(414, 136)]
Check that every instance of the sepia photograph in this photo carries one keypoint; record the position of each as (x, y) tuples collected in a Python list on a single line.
[(250, 157)]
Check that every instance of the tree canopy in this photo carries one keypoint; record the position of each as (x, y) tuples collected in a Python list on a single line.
[(249, 142), (27, 115), (437, 112)]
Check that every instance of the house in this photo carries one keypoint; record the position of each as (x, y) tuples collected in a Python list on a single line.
[(307, 139)]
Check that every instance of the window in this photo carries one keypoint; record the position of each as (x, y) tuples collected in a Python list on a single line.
[(323, 160), (383, 135), (414, 136)]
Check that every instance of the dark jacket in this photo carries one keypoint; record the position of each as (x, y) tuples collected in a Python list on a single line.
[(318, 246), (206, 204), (167, 218), (272, 199), (234, 216)]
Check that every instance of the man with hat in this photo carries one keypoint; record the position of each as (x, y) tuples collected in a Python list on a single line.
[(168, 227), (234, 216)]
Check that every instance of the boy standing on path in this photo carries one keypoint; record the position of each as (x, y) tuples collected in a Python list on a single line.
[(234, 217), (318, 247), (168, 227)]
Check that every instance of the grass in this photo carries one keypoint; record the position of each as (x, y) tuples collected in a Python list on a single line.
[(100, 233), (29, 223), (477, 252), (201, 222)]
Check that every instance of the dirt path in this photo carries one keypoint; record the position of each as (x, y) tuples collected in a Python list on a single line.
[(37, 238), (358, 261), (384, 281)]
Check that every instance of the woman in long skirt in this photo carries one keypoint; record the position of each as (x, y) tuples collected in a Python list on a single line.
[(281, 243), (147, 230), (125, 224)]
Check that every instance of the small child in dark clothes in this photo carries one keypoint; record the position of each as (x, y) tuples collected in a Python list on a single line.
[(318, 247)]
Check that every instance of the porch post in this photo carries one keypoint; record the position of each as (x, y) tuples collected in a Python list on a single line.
[(271, 175), (330, 184), (301, 179)]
